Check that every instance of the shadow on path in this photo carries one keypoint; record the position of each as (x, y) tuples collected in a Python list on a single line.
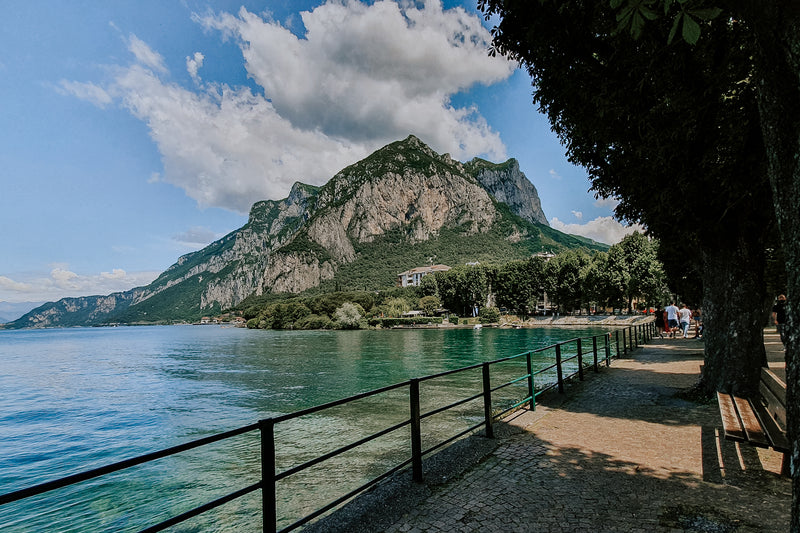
[(621, 451)]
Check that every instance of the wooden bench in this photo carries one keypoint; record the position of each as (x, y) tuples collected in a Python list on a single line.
[(758, 421)]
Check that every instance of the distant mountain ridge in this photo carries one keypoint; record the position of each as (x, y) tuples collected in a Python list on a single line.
[(13, 310), (391, 211)]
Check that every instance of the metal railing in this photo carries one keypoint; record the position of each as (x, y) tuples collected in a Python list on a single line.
[(565, 367)]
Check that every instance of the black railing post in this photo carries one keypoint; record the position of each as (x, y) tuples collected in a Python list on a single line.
[(594, 352), (624, 343), (616, 335), (531, 388), (580, 360), (487, 401), (630, 337), (608, 349), (269, 508), (558, 369), (416, 431)]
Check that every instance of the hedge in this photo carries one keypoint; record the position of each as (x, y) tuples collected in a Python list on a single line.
[(391, 322)]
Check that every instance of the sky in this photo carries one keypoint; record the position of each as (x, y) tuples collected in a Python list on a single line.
[(132, 133)]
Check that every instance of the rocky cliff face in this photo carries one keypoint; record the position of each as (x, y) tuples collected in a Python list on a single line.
[(303, 240), (403, 185), (508, 184)]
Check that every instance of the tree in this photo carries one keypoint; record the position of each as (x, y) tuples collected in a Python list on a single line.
[(518, 283), (765, 38), (673, 133), (463, 287), (775, 31), (348, 316), (603, 281), (395, 307), (429, 304), (427, 286), (643, 277), (283, 315), (564, 283)]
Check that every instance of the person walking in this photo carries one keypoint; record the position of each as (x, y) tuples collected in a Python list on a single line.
[(685, 319), (779, 317), (672, 318), (698, 322), (661, 325)]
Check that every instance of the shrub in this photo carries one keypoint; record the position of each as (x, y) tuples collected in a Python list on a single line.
[(489, 315), (284, 315), (313, 322), (348, 316), (391, 321), (395, 307)]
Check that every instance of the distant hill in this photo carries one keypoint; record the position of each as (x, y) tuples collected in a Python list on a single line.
[(400, 207), (10, 311)]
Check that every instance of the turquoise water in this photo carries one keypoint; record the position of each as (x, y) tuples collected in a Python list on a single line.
[(73, 399)]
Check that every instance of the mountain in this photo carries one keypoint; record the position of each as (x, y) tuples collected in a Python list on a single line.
[(396, 209), (12, 310)]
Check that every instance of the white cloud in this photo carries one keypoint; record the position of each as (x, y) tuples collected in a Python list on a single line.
[(193, 64), (116, 274), (610, 203), (330, 97), (146, 55), (8, 285), (86, 91), (195, 237), (602, 229), (62, 282), (555, 175), (578, 215)]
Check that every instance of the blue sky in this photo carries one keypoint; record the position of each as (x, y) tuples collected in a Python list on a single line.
[(134, 132)]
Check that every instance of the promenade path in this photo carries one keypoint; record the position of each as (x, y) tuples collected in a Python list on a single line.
[(622, 451)]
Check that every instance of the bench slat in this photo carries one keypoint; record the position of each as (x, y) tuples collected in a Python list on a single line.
[(730, 421), (774, 432), (776, 407), (750, 423), (775, 384)]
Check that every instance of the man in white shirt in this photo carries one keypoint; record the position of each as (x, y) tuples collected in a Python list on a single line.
[(672, 318), (686, 319)]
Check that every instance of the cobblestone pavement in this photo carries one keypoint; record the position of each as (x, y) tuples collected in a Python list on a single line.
[(622, 451)]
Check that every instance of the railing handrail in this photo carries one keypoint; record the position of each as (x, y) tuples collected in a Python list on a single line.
[(641, 332)]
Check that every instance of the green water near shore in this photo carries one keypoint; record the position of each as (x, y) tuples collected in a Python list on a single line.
[(74, 399)]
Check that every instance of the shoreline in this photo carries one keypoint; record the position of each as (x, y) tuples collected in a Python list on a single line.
[(542, 322)]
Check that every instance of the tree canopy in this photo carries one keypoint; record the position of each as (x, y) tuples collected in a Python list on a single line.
[(725, 119), (673, 132)]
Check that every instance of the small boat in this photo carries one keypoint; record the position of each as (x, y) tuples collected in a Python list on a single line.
[(477, 326)]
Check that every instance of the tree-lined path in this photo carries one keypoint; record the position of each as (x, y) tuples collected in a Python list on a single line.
[(622, 451)]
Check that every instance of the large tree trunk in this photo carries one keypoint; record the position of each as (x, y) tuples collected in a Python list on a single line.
[(733, 291), (777, 31)]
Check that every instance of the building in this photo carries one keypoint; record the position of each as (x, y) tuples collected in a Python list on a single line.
[(413, 277)]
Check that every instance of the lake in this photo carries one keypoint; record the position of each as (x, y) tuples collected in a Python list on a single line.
[(73, 399)]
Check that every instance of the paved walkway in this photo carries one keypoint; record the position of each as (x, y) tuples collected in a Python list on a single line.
[(620, 452)]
